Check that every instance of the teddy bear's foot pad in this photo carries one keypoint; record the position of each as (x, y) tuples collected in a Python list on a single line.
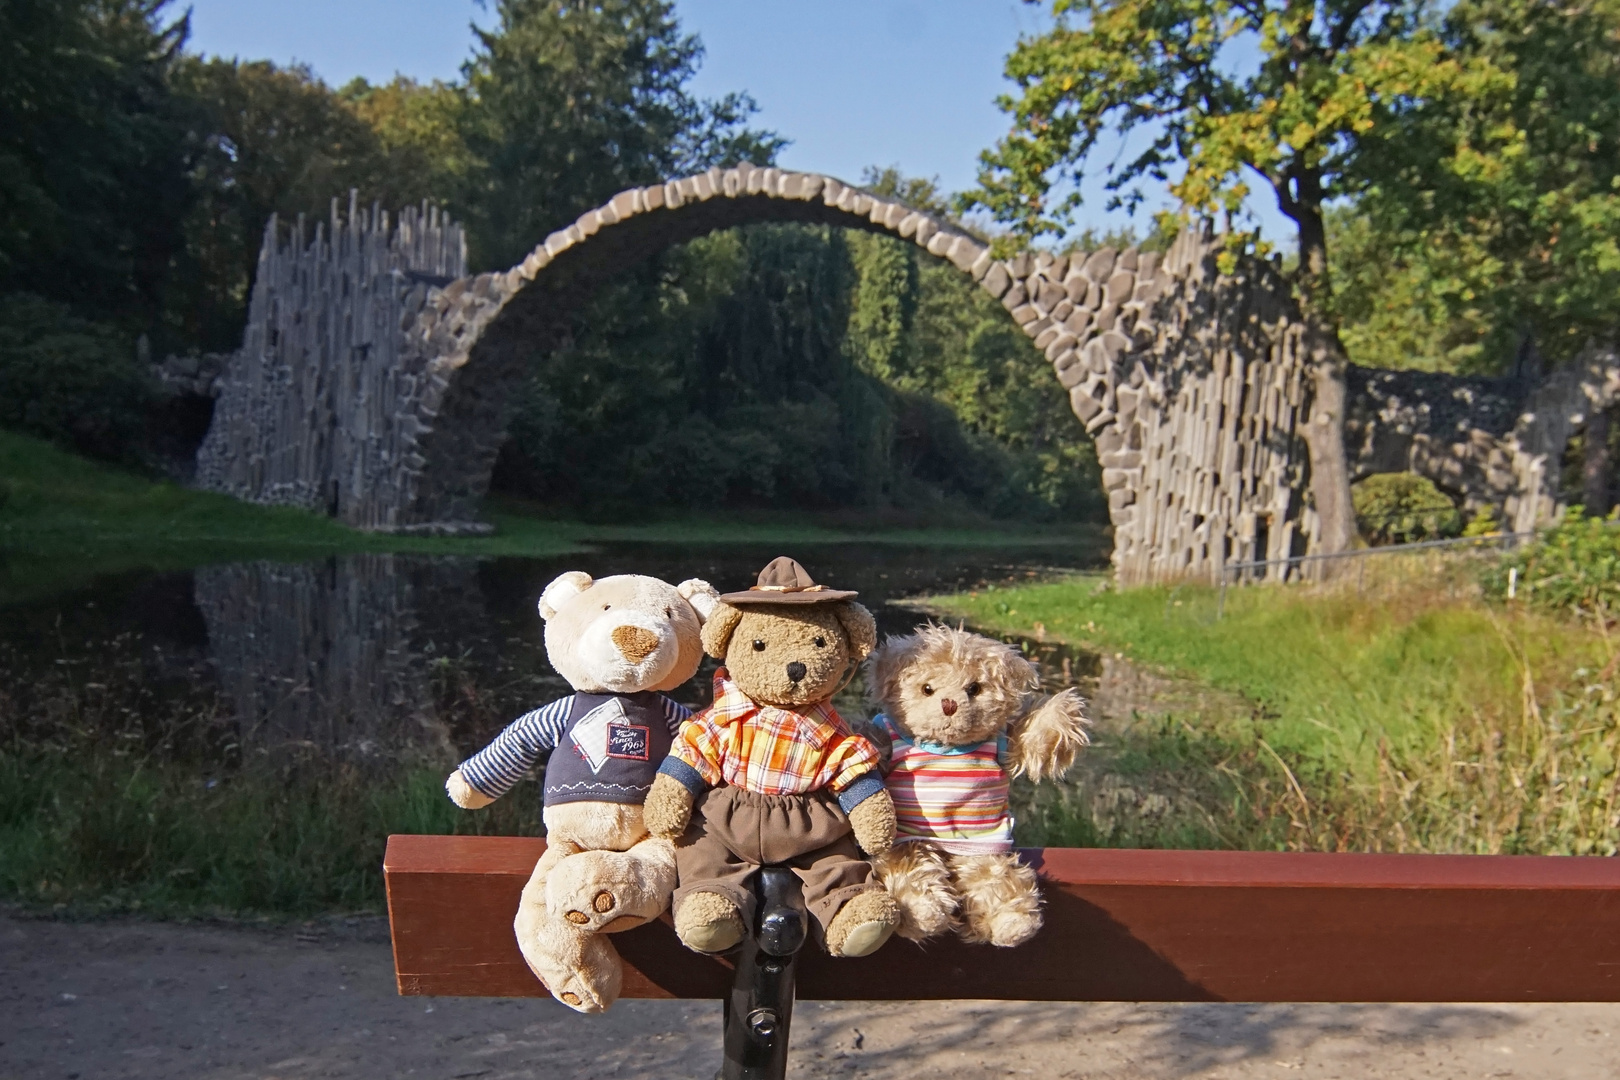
[(599, 891), (708, 923), (866, 939), (862, 926), (581, 970)]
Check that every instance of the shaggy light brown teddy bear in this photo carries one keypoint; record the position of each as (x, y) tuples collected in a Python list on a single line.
[(619, 642), (961, 715), (775, 775)]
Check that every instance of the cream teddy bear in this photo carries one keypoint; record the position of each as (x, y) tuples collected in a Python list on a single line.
[(961, 715), (619, 642)]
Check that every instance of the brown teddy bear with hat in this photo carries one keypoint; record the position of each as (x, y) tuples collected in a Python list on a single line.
[(770, 774)]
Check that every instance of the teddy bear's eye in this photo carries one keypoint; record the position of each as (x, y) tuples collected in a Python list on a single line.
[(928, 690), (973, 689), (821, 643), (605, 607), (759, 646), (669, 613)]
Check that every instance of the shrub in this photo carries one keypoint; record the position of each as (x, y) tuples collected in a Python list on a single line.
[(1573, 567), (70, 380), (1403, 508)]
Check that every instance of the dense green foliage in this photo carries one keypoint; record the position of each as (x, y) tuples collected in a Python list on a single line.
[(1450, 169), (1328, 72), (1487, 218), (1573, 568), (774, 367), (66, 377), (566, 104), (801, 367), (266, 140), (1403, 508), (93, 153)]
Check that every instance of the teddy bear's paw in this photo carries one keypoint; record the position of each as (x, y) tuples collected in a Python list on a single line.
[(668, 807), (464, 794), (581, 970), (1004, 929), (609, 890), (872, 821), (863, 924), (1001, 900), (580, 994), (708, 923), (916, 876)]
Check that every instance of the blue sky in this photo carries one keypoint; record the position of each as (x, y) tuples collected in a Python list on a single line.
[(852, 82)]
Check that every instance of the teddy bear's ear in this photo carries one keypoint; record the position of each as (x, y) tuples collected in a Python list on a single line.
[(860, 626), (701, 595), (883, 667), (717, 628), (559, 592)]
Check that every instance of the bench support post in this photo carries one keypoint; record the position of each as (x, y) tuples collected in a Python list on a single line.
[(759, 1009)]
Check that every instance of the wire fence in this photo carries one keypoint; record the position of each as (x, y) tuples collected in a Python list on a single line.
[(1315, 568)]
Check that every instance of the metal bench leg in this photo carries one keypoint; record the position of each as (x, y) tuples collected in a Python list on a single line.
[(760, 1008)]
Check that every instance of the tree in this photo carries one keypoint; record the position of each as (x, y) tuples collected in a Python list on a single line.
[(932, 335), (92, 152), (1488, 216), (417, 127), (269, 140), (1326, 74), (568, 104)]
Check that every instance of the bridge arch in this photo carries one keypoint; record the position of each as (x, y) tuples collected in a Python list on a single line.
[(1190, 382)]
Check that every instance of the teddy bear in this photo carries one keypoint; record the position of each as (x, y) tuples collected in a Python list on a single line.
[(960, 715), (620, 642), (770, 774)]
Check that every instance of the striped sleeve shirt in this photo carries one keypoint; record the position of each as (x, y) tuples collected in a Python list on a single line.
[(497, 768)]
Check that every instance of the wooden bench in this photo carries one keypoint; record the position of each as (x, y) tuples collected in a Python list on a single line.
[(1120, 926)]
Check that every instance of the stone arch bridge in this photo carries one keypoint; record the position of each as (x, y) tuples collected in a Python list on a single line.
[(374, 378)]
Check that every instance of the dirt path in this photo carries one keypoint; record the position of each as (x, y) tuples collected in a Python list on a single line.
[(99, 1001)]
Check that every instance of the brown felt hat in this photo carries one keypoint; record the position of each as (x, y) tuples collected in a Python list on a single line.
[(784, 581)]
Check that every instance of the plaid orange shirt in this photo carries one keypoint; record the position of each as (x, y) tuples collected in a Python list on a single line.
[(770, 750)]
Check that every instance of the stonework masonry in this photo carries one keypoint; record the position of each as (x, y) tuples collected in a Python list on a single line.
[(375, 377), (1488, 443)]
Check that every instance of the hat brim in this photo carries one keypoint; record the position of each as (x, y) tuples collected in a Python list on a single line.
[(768, 596)]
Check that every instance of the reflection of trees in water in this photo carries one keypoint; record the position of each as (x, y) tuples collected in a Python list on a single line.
[(340, 655)]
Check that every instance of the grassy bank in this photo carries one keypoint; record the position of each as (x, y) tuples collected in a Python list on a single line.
[(64, 518), (1420, 718), (129, 786)]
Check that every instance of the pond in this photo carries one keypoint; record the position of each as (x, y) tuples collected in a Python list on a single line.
[(241, 737)]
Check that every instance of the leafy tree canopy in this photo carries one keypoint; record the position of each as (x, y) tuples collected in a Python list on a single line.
[(567, 104), (92, 156), (1486, 224), (1326, 74)]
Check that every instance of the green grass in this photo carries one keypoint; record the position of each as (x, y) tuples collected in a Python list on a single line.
[(99, 833), (1417, 718), (65, 519)]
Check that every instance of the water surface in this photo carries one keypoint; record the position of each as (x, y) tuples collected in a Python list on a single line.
[(371, 657)]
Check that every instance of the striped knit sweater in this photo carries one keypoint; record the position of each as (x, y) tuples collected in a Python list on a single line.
[(498, 767), (954, 796)]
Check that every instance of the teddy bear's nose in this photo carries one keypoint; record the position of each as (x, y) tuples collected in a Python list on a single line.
[(947, 706), (795, 671), (635, 643)]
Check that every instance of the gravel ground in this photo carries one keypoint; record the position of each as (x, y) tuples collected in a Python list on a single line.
[(121, 999)]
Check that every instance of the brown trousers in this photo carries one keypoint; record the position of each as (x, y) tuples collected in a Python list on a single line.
[(735, 832)]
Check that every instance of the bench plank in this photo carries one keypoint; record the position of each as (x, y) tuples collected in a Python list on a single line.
[(1120, 926)]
